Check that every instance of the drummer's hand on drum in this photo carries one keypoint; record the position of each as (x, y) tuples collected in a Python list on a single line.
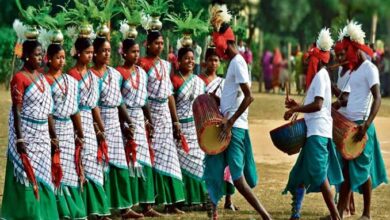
[(288, 114), (226, 127), (290, 103), (362, 129)]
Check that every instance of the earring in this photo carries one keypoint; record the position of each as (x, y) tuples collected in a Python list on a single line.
[(49, 61), (94, 54), (27, 59), (78, 54)]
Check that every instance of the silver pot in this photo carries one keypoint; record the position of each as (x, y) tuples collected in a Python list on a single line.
[(186, 40), (132, 33), (85, 30), (31, 33), (155, 23), (56, 36), (103, 30)]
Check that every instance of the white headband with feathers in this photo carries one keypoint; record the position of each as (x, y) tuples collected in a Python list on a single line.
[(355, 32), (324, 41), (219, 14)]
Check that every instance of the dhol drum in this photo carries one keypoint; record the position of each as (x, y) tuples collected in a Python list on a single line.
[(207, 121), (343, 132), (290, 137)]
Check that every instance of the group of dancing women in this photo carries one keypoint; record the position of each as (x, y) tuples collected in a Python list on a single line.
[(98, 140)]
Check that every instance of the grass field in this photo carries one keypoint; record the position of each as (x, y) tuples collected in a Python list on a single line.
[(272, 176)]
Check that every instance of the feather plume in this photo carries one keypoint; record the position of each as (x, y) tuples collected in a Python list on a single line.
[(343, 33), (355, 32), (20, 29), (324, 41), (44, 37), (219, 14), (124, 28)]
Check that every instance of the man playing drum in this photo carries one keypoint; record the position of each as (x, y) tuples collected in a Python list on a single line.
[(367, 171), (317, 166), (235, 99)]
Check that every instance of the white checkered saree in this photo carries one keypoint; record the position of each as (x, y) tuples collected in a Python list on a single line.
[(36, 108), (110, 99), (192, 162), (166, 160), (66, 105), (216, 83), (135, 99), (89, 96)]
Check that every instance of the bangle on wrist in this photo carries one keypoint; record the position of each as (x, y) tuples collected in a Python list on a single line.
[(20, 140)]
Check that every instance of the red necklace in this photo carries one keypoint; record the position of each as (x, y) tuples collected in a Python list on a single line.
[(158, 76), (102, 74), (40, 87), (64, 91), (135, 84), (89, 79)]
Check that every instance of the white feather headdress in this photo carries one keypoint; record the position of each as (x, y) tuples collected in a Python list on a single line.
[(20, 29), (219, 14), (355, 32), (325, 41), (124, 28), (343, 33), (44, 38)]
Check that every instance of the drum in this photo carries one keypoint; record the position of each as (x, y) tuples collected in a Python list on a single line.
[(207, 120), (343, 132), (290, 137)]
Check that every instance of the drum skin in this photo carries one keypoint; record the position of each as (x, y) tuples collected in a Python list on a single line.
[(208, 119), (290, 137), (343, 133)]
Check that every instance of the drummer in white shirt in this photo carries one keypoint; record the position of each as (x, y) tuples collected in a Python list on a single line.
[(367, 171), (317, 166)]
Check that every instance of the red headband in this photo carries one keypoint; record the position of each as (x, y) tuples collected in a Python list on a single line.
[(351, 51), (315, 55), (220, 41)]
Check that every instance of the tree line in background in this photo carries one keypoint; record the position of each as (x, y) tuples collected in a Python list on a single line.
[(263, 24)]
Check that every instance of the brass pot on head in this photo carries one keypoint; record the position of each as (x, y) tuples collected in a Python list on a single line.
[(103, 30), (186, 40), (56, 37), (132, 33), (155, 23), (85, 30), (31, 33)]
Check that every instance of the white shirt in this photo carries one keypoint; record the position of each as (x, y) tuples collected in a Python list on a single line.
[(198, 53), (360, 84), (342, 85), (232, 95), (320, 123)]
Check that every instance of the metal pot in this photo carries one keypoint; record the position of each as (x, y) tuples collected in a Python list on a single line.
[(132, 33), (155, 23), (85, 30), (56, 36), (31, 33), (103, 30), (186, 40)]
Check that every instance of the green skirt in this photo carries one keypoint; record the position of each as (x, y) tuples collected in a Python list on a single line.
[(194, 190), (369, 164), (168, 190), (70, 203), (95, 199), (316, 162), (19, 201), (117, 188), (142, 186)]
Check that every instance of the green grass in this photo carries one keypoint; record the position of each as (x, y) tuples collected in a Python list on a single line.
[(272, 177)]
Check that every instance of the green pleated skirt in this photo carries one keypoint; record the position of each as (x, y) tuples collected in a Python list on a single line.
[(70, 203), (95, 199), (142, 186), (19, 201), (316, 162), (194, 190), (168, 190), (117, 188)]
